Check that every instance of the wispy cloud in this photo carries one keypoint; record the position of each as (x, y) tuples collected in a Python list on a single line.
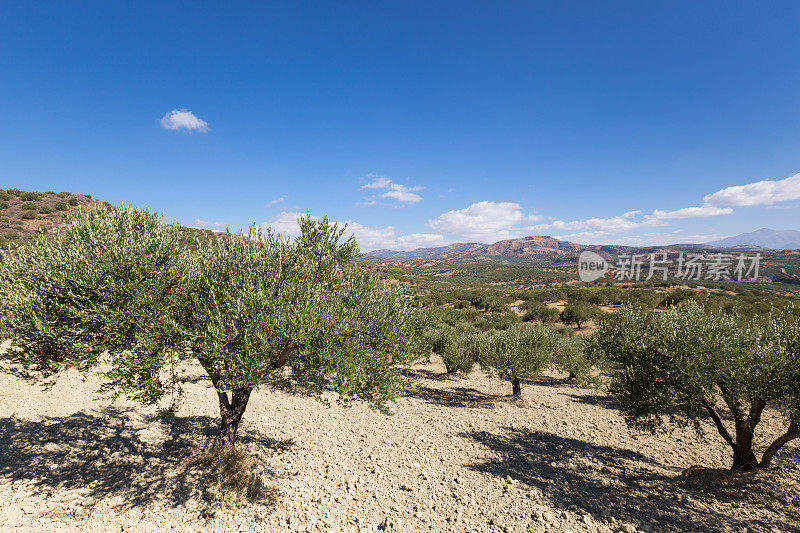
[(395, 191), (275, 201), (199, 222), (183, 119), (368, 237)]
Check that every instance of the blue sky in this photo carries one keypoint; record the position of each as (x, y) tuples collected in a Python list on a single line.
[(420, 123)]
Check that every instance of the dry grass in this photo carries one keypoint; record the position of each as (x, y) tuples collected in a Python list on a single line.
[(236, 475)]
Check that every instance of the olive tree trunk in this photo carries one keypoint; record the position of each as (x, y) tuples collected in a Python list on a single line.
[(516, 387), (231, 411), (743, 456)]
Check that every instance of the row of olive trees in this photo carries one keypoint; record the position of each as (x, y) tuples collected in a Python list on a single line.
[(679, 365), (517, 353), (120, 287)]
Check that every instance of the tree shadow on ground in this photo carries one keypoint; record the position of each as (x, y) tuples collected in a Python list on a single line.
[(102, 455), (431, 374), (596, 399), (611, 482), (455, 397)]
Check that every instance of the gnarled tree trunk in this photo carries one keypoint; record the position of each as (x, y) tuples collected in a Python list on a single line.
[(516, 387), (743, 456), (231, 411)]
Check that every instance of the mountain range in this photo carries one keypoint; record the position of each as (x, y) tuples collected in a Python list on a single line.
[(547, 248), (766, 238)]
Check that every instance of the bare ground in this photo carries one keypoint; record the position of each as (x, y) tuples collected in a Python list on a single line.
[(451, 458)]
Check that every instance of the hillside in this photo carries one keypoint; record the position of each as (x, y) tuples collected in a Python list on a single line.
[(765, 238), (24, 213)]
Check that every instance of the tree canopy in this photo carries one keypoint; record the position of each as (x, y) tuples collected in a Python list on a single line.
[(689, 362), (118, 285)]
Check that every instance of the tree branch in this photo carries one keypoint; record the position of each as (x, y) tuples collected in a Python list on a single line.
[(756, 408), (792, 433), (732, 403), (283, 357), (718, 421)]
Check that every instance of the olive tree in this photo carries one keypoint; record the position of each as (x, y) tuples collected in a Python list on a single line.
[(457, 346), (521, 352), (579, 313), (119, 286), (689, 362), (541, 313)]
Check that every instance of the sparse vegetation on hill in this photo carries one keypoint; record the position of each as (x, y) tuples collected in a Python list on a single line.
[(23, 214)]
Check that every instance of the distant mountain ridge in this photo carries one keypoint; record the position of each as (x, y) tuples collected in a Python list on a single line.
[(764, 237), (547, 248), (534, 247)]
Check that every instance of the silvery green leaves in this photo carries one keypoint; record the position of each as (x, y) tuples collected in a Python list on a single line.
[(689, 362), (104, 283), (119, 280), (524, 351)]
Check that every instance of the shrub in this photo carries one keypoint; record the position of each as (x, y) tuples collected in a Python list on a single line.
[(688, 362), (496, 321), (245, 307), (29, 206), (4, 220), (4, 195), (3, 204), (572, 357), (647, 298), (27, 196), (579, 314), (597, 298), (14, 192), (28, 215), (63, 194), (45, 209), (73, 201), (60, 206)]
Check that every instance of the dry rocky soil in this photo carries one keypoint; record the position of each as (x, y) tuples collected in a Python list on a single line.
[(453, 457)]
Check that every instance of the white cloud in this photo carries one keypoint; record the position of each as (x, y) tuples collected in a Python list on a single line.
[(368, 237), (487, 221), (691, 212), (199, 222), (640, 239), (395, 191), (632, 220), (377, 237), (378, 182), (285, 223), (178, 119), (275, 201), (766, 192)]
